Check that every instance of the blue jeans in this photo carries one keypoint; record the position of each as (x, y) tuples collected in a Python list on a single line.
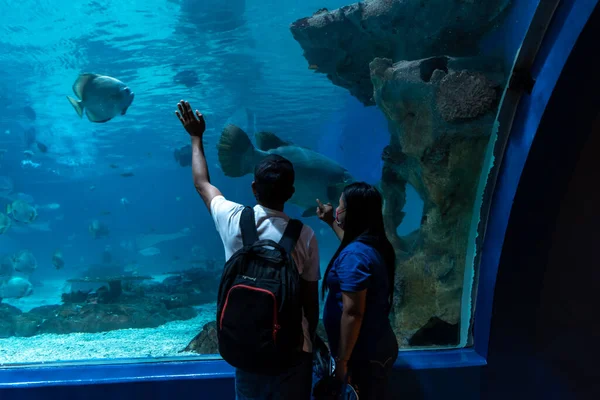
[(294, 384)]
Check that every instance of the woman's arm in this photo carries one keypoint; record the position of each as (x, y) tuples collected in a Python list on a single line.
[(352, 316), (354, 273), (339, 232)]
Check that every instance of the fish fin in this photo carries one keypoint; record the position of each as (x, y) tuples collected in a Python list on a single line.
[(266, 141), (77, 105), (93, 118), (125, 110), (233, 148), (310, 212), (80, 83), (8, 208)]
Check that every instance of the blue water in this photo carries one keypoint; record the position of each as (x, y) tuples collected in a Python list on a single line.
[(245, 60)]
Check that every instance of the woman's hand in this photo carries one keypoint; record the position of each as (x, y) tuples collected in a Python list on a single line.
[(193, 126), (325, 212)]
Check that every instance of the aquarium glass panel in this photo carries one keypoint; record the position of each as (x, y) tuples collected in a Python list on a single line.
[(108, 253)]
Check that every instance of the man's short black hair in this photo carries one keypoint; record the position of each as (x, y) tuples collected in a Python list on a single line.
[(274, 178)]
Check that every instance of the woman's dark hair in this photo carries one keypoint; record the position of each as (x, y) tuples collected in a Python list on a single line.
[(364, 223)]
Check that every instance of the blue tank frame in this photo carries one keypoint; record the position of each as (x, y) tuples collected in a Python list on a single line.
[(437, 372)]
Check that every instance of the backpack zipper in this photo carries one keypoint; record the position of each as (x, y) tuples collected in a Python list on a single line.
[(276, 326)]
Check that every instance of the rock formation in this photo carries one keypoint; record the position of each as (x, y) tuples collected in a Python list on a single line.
[(341, 43), (87, 318), (204, 342), (441, 112)]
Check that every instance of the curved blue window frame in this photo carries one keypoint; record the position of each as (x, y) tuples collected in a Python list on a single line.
[(213, 377)]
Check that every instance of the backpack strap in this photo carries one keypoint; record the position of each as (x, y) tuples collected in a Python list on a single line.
[(291, 235), (248, 226)]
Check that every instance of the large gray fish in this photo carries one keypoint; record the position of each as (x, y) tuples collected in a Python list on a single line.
[(316, 175), (102, 97)]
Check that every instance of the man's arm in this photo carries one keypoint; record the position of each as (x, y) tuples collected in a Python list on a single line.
[(195, 127), (200, 173)]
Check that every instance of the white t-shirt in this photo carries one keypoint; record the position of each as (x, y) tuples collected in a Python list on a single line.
[(270, 224)]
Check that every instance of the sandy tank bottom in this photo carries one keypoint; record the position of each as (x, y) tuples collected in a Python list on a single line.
[(164, 341)]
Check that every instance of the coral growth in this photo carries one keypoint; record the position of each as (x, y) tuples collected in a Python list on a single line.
[(111, 302)]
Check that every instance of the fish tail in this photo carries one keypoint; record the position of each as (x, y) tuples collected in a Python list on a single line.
[(8, 208), (237, 154), (77, 105)]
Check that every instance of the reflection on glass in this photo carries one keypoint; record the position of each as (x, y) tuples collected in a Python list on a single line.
[(107, 251)]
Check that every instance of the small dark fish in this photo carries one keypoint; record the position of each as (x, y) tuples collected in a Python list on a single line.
[(57, 260), (127, 174), (187, 78), (114, 166), (104, 212), (183, 155), (42, 147), (29, 113)]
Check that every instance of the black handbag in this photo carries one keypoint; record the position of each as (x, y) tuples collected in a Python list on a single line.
[(328, 387)]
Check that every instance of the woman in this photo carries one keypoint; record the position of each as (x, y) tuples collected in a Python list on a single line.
[(360, 280)]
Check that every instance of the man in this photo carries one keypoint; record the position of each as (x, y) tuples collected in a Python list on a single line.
[(273, 185)]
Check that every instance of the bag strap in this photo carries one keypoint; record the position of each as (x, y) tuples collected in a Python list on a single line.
[(248, 226), (291, 235)]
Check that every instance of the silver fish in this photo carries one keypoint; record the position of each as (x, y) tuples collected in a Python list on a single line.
[(102, 97), (15, 288), (22, 211), (149, 251)]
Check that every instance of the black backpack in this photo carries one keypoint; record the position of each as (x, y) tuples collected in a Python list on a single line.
[(259, 312)]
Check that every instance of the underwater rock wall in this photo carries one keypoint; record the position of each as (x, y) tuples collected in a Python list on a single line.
[(341, 43), (441, 112), (414, 59)]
